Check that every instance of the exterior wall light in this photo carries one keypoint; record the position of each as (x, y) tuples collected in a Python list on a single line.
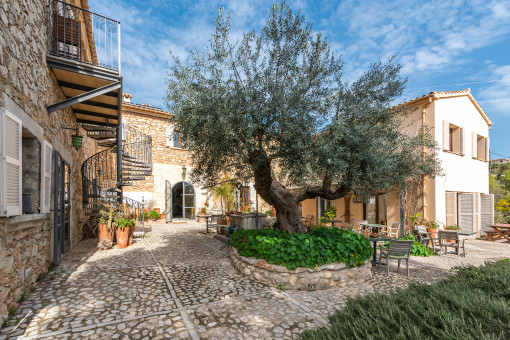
[(76, 139), (184, 172)]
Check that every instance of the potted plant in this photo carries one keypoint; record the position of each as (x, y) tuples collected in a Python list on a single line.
[(432, 228), (154, 215), (105, 219), (201, 217), (124, 228)]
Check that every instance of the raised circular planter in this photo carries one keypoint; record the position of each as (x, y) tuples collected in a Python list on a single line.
[(324, 277)]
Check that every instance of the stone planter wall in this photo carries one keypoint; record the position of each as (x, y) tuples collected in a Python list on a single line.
[(327, 276)]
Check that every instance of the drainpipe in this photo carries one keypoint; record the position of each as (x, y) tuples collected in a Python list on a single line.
[(423, 121)]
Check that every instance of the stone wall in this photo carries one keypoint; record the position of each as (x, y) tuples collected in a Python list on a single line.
[(153, 122), (327, 276), (26, 80)]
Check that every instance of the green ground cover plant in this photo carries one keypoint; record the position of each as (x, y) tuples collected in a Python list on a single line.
[(474, 304), (310, 250)]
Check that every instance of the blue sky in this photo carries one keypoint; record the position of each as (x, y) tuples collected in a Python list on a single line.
[(442, 45)]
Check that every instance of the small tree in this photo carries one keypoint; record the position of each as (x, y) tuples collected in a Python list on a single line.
[(225, 192), (272, 108)]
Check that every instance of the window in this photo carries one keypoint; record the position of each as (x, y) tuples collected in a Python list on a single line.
[(25, 169), (470, 211), (174, 138), (375, 211), (179, 142), (245, 198), (480, 147), (453, 138)]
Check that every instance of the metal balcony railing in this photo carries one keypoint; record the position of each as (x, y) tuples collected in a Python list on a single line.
[(77, 34)]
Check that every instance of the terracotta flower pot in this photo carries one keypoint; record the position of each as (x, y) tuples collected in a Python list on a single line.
[(123, 238), (273, 212), (104, 233), (433, 233), (131, 232)]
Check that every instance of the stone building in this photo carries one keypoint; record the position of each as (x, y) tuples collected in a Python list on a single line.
[(170, 189), (57, 96)]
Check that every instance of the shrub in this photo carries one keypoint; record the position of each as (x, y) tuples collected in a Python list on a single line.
[(268, 212), (418, 249), (143, 216), (154, 215), (474, 304), (329, 216), (310, 250)]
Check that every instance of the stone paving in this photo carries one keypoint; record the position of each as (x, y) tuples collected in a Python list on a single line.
[(176, 283)]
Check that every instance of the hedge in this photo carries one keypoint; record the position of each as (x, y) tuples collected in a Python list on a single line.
[(310, 250)]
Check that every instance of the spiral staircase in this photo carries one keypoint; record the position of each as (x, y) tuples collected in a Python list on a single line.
[(100, 175)]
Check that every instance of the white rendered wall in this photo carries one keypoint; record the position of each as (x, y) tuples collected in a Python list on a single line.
[(172, 173), (461, 173)]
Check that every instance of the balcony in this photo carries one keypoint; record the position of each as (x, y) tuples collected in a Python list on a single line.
[(84, 54)]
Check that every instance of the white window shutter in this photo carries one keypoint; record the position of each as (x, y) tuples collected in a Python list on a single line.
[(46, 157), (487, 150), (467, 212), (486, 212), (446, 135), (170, 136), (13, 164), (474, 145), (451, 208)]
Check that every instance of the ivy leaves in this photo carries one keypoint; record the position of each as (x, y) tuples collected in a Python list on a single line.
[(319, 247)]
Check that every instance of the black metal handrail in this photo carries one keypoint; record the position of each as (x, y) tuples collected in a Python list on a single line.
[(81, 35), (100, 183)]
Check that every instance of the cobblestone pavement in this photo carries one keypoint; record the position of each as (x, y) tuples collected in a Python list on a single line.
[(176, 283)]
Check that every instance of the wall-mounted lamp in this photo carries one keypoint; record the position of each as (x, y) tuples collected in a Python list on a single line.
[(76, 139), (184, 172)]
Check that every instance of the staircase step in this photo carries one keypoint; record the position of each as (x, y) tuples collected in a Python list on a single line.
[(105, 196)]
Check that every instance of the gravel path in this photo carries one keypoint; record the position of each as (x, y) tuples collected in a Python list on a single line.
[(177, 284)]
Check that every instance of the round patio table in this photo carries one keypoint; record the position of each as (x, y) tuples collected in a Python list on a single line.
[(375, 240)]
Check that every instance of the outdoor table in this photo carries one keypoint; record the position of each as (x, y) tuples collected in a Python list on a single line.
[(375, 226), (375, 240), (500, 230), (337, 221), (207, 218)]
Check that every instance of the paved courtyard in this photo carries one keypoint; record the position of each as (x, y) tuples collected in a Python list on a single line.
[(177, 284)]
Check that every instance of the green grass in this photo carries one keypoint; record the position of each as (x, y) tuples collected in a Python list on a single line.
[(474, 304)]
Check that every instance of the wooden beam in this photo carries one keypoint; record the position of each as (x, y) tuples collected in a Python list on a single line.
[(91, 122), (94, 114)]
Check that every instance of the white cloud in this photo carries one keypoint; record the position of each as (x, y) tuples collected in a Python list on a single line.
[(495, 98)]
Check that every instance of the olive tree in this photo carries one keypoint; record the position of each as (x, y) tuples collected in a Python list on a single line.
[(271, 107)]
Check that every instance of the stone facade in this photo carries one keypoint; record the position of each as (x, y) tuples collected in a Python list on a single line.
[(327, 276), (167, 161), (28, 86)]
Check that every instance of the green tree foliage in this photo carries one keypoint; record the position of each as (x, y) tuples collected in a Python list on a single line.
[(272, 107), (499, 185)]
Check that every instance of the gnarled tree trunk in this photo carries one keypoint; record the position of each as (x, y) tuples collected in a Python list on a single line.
[(274, 193)]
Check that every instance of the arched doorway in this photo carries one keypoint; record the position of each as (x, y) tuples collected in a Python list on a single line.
[(183, 201)]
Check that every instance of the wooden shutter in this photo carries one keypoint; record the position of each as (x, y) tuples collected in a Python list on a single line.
[(170, 136), (486, 211), (13, 164), (487, 151), (446, 135), (474, 144), (461, 149), (46, 156), (451, 208), (466, 202)]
